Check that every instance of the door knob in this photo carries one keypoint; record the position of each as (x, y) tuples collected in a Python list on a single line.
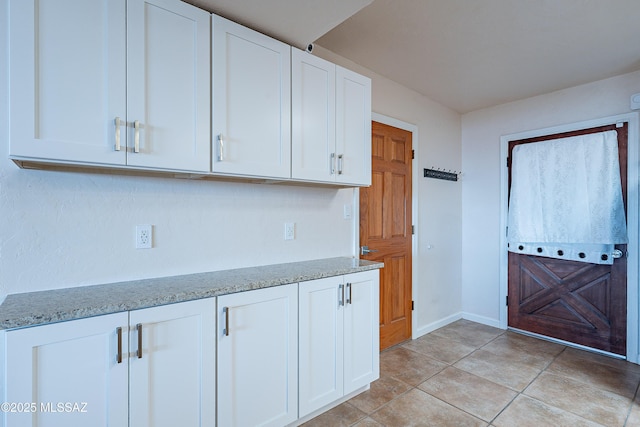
[(365, 250)]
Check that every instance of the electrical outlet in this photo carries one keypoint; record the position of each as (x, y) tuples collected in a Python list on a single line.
[(144, 236), (289, 230)]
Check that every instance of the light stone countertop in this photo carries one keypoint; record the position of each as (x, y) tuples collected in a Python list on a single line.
[(43, 307)]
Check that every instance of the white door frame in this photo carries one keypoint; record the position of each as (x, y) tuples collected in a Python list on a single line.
[(414, 207), (633, 260)]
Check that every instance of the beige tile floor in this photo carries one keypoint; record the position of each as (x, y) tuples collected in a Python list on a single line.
[(468, 374)]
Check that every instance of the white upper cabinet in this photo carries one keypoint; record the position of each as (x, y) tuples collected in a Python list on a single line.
[(68, 79), (110, 82), (161, 85), (353, 127), (331, 122), (251, 102), (168, 85), (313, 117)]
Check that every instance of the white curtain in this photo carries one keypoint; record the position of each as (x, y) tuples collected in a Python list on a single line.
[(566, 198)]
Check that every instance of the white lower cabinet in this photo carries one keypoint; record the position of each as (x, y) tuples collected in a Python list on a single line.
[(69, 362), (258, 357), (282, 353), (172, 365), (90, 372), (339, 337)]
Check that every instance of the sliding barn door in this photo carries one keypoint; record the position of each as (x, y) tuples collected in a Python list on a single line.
[(573, 301)]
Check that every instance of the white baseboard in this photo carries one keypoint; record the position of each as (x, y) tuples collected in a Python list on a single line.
[(482, 319), (329, 406), (423, 330)]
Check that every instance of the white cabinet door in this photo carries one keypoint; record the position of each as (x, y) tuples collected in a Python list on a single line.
[(70, 363), (361, 334), (172, 365), (78, 68), (68, 80), (313, 117), (251, 102), (321, 335), (168, 85), (258, 357), (353, 127)]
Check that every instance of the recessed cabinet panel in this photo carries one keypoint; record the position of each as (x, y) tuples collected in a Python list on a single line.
[(68, 77), (258, 357), (251, 102), (160, 85), (362, 331), (168, 85), (353, 124), (339, 337), (172, 371), (149, 367), (74, 362), (321, 342), (313, 113), (111, 83)]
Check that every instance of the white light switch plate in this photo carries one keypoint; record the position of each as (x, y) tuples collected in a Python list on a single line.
[(347, 211)]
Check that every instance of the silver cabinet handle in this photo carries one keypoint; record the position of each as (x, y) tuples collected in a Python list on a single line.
[(340, 163), (349, 301), (226, 321), (136, 136), (119, 354), (117, 123), (333, 163), (341, 291), (365, 250), (139, 351), (220, 148)]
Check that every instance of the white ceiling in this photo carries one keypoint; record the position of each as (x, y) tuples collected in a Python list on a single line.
[(295, 22), (464, 54)]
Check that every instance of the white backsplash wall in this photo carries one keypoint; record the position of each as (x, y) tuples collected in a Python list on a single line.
[(63, 229)]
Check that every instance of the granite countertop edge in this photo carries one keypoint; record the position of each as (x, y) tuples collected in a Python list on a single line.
[(58, 305)]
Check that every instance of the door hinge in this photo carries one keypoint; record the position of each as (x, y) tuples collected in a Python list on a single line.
[(412, 305), (506, 300), (508, 162), (413, 229), (413, 154)]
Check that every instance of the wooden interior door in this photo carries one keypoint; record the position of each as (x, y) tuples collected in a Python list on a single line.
[(573, 301), (385, 227)]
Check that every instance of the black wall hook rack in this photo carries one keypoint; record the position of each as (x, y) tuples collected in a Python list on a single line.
[(441, 174)]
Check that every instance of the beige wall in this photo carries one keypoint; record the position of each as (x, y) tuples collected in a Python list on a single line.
[(482, 163)]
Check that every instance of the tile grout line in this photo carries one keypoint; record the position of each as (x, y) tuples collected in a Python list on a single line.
[(545, 369), (448, 365), (521, 393), (633, 401)]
